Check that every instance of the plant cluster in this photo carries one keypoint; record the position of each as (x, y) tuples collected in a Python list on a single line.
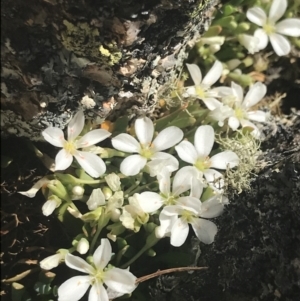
[(160, 180)]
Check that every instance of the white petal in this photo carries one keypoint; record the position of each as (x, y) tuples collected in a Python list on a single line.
[(167, 138), (233, 123), (277, 10), (54, 136), (144, 130), (35, 188), (211, 103), (197, 187), (125, 143), (76, 125), (224, 159), (92, 138), (48, 207), (214, 178), (259, 116), (179, 232), (164, 182), (74, 288), (186, 152), (238, 92), (213, 74), (190, 91), (190, 203), (195, 73), (212, 207), (280, 44), (63, 160), (120, 280), (102, 254), (257, 16), (98, 292), (289, 27), (150, 201), (254, 95), (96, 199), (183, 179), (91, 163), (161, 161), (51, 262), (132, 165), (223, 91), (263, 38), (255, 133), (78, 264), (204, 140), (205, 230)]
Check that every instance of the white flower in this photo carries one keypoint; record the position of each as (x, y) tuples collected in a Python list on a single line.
[(118, 280), (251, 43), (202, 88), (90, 162), (151, 201), (273, 30), (198, 155), (239, 115), (175, 219), (146, 149), (133, 215)]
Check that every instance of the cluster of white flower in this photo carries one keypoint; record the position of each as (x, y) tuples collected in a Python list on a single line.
[(175, 207), (233, 106), (271, 29)]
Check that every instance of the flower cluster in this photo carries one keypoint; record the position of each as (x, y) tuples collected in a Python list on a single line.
[(145, 191)]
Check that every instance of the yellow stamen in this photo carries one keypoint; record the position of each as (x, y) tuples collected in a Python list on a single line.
[(70, 147), (203, 164), (269, 28)]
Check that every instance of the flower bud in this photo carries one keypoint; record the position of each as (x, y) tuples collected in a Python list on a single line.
[(82, 246), (107, 192), (52, 203), (53, 261), (115, 215), (78, 191)]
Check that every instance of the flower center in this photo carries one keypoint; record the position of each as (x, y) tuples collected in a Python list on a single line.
[(269, 28), (98, 276), (187, 216), (146, 151), (240, 113), (169, 199), (202, 164), (200, 91), (70, 147)]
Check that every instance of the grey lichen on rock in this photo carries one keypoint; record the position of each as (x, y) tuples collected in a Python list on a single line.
[(121, 54)]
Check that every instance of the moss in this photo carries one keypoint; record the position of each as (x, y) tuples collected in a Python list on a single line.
[(84, 41), (247, 149)]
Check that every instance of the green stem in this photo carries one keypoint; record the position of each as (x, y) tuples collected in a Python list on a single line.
[(102, 222), (150, 242)]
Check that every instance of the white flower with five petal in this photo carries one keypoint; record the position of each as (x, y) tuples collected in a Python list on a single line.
[(202, 87), (198, 155), (145, 148), (118, 280), (175, 220), (90, 162), (273, 30), (240, 114)]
